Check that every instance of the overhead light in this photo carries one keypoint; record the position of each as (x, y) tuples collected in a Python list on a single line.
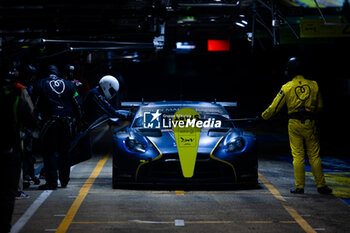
[(244, 22), (169, 8), (185, 45), (130, 55), (240, 24)]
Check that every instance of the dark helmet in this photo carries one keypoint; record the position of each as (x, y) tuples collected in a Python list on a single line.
[(293, 67), (52, 70), (27, 74)]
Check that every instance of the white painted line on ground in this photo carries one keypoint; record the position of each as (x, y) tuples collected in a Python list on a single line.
[(30, 211), (59, 215), (320, 229), (50, 230), (149, 222), (179, 222)]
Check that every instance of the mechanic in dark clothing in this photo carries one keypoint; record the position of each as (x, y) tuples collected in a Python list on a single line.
[(15, 111), (58, 103), (98, 101)]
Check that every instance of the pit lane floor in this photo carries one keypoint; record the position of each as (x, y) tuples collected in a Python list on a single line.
[(89, 204)]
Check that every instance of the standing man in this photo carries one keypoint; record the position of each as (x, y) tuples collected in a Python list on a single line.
[(58, 102), (303, 101), (16, 110)]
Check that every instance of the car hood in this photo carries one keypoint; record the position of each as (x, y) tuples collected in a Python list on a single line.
[(166, 144)]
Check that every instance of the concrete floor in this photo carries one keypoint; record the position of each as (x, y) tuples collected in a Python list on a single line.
[(89, 204)]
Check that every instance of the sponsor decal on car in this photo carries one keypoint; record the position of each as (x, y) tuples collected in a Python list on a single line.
[(161, 121), (187, 138), (186, 124)]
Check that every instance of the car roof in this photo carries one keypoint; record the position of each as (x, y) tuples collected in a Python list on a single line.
[(182, 103), (172, 105)]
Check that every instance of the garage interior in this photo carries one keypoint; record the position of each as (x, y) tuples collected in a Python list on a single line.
[(205, 50)]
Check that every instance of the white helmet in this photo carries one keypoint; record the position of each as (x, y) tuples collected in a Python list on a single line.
[(109, 85)]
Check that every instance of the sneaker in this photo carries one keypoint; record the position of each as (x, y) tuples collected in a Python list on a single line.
[(324, 190), (47, 187), (297, 190), (21, 195), (27, 180)]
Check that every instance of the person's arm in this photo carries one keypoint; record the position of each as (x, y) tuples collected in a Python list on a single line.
[(36, 97), (108, 109), (77, 104), (26, 110), (275, 106), (319, 102)]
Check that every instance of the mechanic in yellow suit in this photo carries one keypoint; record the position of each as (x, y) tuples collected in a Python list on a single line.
[(303, 100)]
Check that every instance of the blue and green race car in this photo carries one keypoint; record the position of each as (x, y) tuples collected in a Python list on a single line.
[(146, 151)]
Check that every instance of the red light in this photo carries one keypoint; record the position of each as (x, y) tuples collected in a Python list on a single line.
[(218, 45)]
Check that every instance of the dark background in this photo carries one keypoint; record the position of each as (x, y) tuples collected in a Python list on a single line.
[(250, 75)]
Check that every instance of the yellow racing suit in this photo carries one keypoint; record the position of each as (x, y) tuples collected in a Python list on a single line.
[(303, 100)]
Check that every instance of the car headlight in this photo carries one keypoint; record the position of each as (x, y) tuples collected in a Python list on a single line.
[(135, 145), (236, 144)]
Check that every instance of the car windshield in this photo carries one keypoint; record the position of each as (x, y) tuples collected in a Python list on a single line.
[(161, 116)]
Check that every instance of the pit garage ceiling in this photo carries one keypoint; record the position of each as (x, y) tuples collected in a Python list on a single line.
[(125, 20), (145, 24)]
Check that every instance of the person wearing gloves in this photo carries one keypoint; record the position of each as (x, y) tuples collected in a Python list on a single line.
[(98, 101), (303, 100), (58, 103)]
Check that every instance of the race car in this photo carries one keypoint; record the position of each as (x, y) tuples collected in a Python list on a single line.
[(146, 151)]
